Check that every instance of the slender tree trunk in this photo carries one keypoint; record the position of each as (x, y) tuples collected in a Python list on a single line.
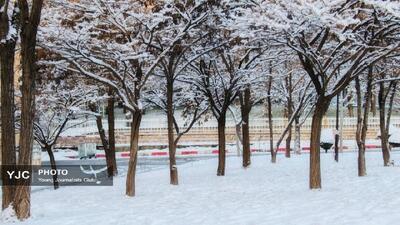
[(271, 131), (298, 136), (289, 114), (373, 104), (245, 109), (382, 125), (360, 144), (8, 157), (111, 136), (389, 113), (288, 140), (130, 179), (173, 169), (49, 150), (221, 144), (362, 170), (289, 135), (315, 167), (362, 121), (104, 141), (337, 129)]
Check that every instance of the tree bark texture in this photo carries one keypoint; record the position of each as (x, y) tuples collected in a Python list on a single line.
[(130, 179), (173, 169), (382, 125), (245, 110), (221, 145), (337, 128), (110, 157), (316, 124), (29, 27), (271, 131), (8, 156), (362, 122)]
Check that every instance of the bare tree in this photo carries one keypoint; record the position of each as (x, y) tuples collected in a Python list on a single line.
[(219, 83), (178, 57), (115, 52), (362, 119), (333, 55), (108, 141), (386, 93)]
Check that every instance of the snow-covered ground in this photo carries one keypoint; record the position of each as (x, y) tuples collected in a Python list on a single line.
[(60, 154), (263, 194)]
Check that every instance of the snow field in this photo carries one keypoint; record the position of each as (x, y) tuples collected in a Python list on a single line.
[(262, 194)]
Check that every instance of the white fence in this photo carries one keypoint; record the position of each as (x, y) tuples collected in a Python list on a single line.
[(156, 125)]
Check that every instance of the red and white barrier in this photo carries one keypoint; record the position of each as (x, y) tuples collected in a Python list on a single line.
[(199, 152)]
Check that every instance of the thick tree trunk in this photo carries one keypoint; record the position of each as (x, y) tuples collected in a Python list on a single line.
[(173, 169), (111, 160), (382, 125), (49, 150), (221, 145), (31, 20), (315, 168), (245, 110), (8, 156), (130, 179)]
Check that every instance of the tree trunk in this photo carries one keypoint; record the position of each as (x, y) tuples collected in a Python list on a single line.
[(373, 104), (130, 178), (245, 109), (360, 144), (8, 157), (31, 20), (362, 122), (382, 125), (298, 136), (315, 169), (288, 140), (53, 165), (271, 131), (337, 129), (221, 145), (111, 161), (289, 114), (104, 140), (389, 113), (289, 135), (173, 170)]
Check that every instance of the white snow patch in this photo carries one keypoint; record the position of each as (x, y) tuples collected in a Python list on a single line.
[(8, 215)]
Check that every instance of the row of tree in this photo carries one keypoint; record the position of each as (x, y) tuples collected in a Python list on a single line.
[(205, 57)]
